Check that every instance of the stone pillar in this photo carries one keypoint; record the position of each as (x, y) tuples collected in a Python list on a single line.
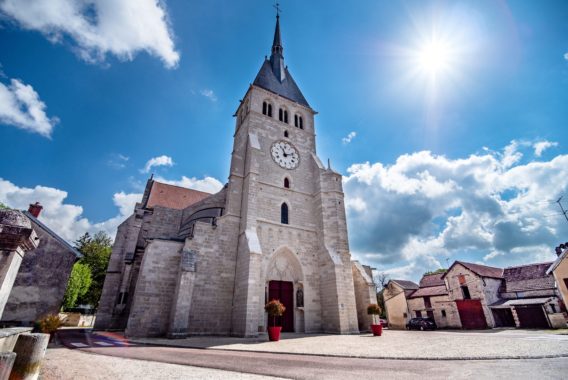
[(179, 316), (16, 238), (6, 362), (30, 350)]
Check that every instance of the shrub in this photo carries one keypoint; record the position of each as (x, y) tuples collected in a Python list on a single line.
[(373, 309), (49, 324), (275, 309)]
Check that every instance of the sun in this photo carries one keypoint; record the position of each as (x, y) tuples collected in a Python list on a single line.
[(435, 56)]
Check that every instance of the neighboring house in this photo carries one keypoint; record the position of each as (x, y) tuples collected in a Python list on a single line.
[(528, 298), (559, 269), (432, 300), (473, 287), (43, 275), (395, 298)]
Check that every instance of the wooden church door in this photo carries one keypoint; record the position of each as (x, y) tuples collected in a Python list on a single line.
[(283, 291)]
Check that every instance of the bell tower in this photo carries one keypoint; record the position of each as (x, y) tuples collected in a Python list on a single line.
[(289, 209)]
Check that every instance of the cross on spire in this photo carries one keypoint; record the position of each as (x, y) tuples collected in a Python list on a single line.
[(278, 10)]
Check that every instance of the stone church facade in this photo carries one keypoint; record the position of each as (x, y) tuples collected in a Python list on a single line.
[(189, 263)]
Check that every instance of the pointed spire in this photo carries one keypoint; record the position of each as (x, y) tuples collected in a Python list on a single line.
[(277, 44), (277, 57)]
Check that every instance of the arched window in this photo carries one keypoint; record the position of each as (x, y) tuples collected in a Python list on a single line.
[(296, 121), (280, 114), (286, 117), (285, 133), (286, 183), (269, 109), (264, 108), (301, 122), (284, 213)]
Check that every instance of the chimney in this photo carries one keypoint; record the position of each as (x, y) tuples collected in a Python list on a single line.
[(35, 209)]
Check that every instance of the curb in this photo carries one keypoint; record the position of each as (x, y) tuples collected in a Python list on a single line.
[(507, 357)]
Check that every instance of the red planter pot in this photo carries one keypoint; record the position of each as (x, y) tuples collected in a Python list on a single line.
[(377, 329), (274, 333)]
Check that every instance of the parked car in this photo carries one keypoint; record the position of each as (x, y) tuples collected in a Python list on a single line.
[(421, 323)]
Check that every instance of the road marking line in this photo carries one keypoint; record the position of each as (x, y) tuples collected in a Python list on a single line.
[(79, 344), (106, 344)]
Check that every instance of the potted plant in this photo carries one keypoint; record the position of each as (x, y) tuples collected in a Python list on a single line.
[(49, 325), (274, 309), (374, 309)]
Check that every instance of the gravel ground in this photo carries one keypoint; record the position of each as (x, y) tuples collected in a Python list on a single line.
[(65, 364), (486, 344)]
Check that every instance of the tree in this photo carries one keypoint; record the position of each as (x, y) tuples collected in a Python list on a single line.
[(437, 271), (79, 283), (381, 279), (3, 206), (96, 252)]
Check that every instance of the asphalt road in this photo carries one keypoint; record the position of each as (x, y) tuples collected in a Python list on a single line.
[(319, 367)]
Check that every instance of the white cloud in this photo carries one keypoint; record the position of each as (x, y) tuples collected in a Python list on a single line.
[(566, 56), (65, 219), (207, 184), (541, 146), (349, 137), (209, 94), (157, 161), (410, 216), (21, 107), (100, 27)]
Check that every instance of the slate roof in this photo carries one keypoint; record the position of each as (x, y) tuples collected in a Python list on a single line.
[(171, 196), (432, 280), (53, 234), (430, 291), (406, 285), (274, 75), (480, 270), (528, 277)]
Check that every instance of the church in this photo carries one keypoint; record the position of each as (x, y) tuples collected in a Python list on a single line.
[(190, 263)]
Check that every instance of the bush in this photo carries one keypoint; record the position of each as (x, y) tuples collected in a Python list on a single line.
[(274, 309), (49, 324), (373, 309), (78, 285)]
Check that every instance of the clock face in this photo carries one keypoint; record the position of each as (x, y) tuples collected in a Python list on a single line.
[(285, 155)]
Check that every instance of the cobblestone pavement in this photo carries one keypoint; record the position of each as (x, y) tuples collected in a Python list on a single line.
[(443, 344)]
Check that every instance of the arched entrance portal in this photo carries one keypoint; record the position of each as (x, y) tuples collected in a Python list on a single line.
[(284, 281)]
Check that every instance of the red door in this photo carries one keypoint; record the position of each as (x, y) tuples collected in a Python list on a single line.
[(283, 291), (471, 314)]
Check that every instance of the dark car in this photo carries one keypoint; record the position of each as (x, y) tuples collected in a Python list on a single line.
[(421, 323)]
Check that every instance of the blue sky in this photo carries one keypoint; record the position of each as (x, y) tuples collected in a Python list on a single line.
[(113, 101)]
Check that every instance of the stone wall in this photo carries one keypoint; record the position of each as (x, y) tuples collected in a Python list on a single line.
[(365, 294), (445, 311), (484, 289), (150, 312), (41, 281), (396, 306)]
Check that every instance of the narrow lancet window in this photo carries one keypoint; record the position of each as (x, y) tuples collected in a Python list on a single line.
[(269, 110), (284, 213), (286, 183), (280, 114), (264, 108)]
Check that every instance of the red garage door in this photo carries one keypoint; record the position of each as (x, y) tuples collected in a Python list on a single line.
[(471, 314)]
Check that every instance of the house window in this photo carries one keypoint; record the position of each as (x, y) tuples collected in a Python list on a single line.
[(427, 303), (443, 313), (553, 308), (286, 183), (404, 315), (465, 291), (461, 279), (284, 213), (418, 313)]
